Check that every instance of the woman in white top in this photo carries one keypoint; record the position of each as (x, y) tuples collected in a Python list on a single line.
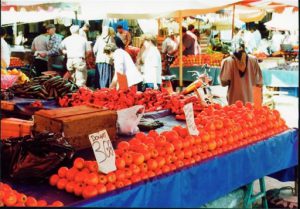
[(104, 65), (123, 64), (5, 50), (151, 63)]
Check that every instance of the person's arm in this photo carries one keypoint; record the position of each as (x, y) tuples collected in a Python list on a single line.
[(88, 49), (63, 47), (95, 48), (258, 75), (54, 46), (225, 75), (118, 65), (128, 39), (114, 81), (33, 48)]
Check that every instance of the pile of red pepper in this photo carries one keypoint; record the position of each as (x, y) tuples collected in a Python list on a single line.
[(153, 100)]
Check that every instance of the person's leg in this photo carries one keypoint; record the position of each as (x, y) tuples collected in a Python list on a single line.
[(80, 72), (71, 70), (110, 75), (97, 76)]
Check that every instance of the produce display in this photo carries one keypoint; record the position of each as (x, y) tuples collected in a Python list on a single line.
[(22, 78), (16, 62), (113, 99), (260, 55), (214, 59), (221, 129), (44, 87), (12, 198)]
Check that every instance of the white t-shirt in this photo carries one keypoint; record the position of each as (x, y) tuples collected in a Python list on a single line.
[(82, 33), (152, 68), (5, 52), (169, 45), (75, 45), (99, 47), (257, 37), (123, 64), (277, 39)]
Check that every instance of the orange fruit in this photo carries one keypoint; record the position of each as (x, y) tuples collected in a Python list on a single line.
[(57, 204), (9, 199), (89, 191), (62, 172), (21, 197), (78, 163), (53, 180), (31, 202), (42, 203), (61, 184)]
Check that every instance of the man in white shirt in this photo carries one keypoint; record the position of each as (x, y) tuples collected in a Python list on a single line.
[(257, 37), (169, 49), (5, 50), (277, 39), (39, 45), (76, 48), (152, 66)]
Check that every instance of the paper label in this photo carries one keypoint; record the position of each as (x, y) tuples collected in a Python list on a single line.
[(104, 151), (190, 120)]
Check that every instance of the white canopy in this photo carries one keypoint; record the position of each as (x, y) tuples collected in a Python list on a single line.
[(129, 9), (288, 20)]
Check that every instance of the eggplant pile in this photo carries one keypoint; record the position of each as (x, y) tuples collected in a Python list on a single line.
[(44, 87)]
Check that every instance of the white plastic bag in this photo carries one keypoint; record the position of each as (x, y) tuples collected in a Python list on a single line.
[(128, 120)]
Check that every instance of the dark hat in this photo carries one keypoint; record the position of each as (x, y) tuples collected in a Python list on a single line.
[(50, 26)]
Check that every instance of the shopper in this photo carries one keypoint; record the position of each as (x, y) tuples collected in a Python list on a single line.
[(123, 64), (20, 39), (76, 49), (188, 43), (169, 50), (277, 39), (53, 53), (124, 35), (84, 30), (240, 72), (257, 36), (191, 30), (104, 63), (5, 50), (151, 59), (39, 45)]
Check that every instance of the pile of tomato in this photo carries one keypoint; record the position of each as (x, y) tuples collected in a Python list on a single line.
[(214, 59), (153, 100), (221, 129), (12, 198), (16, 62)]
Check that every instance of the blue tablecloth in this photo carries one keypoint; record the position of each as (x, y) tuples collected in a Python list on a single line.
[(272, 78), (192, 186), (281, 78), (209, 180)]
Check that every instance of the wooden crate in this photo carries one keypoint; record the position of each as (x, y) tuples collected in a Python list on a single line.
[(7, 105), (76, 123), (14, 127)]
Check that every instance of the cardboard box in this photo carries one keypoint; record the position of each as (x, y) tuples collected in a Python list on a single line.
[(14, 127), (76, 123)]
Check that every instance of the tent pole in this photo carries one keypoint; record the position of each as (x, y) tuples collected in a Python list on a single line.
[(180, 52), (233, 14), (15, 32)]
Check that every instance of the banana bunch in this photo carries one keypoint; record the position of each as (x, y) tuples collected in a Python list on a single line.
[(44, 87)]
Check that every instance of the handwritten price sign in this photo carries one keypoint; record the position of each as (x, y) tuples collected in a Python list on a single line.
[(104, 151), (190, 120)]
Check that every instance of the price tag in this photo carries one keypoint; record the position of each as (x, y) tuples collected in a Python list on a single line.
[(190, 120), (104, 151)]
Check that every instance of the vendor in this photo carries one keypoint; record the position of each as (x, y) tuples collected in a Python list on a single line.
[(188, 43), (123, 64), (169, 50), (151, 59), (240, 72), (104, 64), (191, 32), (20, 39), (39, 45), (216, 42), (76, 48), (5, 50), (124, 35)]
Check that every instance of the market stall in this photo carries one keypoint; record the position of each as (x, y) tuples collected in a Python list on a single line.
[(77, 154)]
